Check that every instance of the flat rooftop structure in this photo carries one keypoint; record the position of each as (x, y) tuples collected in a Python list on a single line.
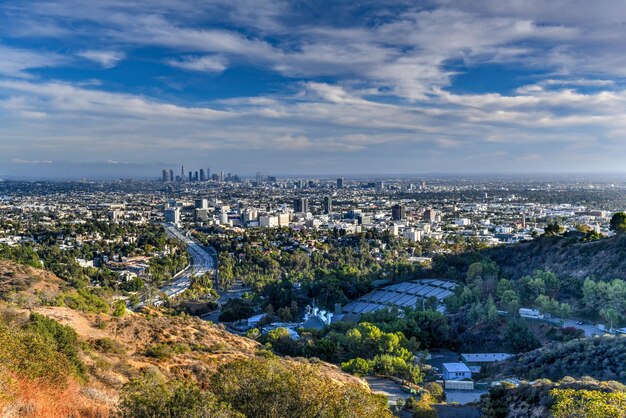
[(485, 357), (402, 295), (456, 368)]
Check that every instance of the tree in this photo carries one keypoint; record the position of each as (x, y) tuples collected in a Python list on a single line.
[(618, 222), (553, 228), (520, 336), (610, 315)]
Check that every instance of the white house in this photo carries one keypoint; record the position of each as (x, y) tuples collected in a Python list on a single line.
[(456, 371)]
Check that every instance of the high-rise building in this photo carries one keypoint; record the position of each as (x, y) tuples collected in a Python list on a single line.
[(164, 176), (201, 204), (398, 212), (190, 177), (430, 215), (328, 205), (301, 205), (196, 177), (182, 173), (171, 175), (222, 176), (202, 178), (340, 183), (172, 215)]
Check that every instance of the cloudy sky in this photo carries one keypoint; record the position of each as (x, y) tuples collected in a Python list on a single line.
[(312, 87)]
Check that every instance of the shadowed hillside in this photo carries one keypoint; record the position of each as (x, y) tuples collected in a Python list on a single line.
[(566, 256)]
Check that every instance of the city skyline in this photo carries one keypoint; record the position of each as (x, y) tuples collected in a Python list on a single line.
[(109, 89)]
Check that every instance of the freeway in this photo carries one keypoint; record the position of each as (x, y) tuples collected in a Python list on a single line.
[(201, 263)]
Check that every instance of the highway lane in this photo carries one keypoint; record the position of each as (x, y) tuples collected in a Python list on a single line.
[(201, 263)]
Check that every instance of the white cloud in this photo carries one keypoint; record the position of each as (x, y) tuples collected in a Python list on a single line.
[(211, 64), (107, 59), (15, 62)]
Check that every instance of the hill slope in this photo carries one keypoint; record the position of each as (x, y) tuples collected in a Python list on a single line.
[(600, 358), (57, 361), (566, 256)]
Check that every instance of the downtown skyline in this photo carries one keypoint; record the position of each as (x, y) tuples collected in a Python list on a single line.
[(90, 89)]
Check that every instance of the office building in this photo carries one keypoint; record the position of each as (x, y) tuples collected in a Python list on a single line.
[(340, 183), (164, 176), (202, 177), (190, 177), (301, 205), (201, 204), (172, 215), (328, 205), (171, 175), (430, 215), (398, 212)]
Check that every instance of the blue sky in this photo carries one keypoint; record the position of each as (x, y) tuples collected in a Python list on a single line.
[(125, 87)]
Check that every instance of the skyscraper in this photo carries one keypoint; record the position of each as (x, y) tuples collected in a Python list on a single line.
[(164, 176), (430, 215), (328, 205), (202, 178), (301, 205), (340, 183), (190, 177), (398, 212), (171, 175), (182, 173)]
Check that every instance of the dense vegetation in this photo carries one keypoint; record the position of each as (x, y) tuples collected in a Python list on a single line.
[(38, 349), (568, 398), (258, 387), (361, 349)]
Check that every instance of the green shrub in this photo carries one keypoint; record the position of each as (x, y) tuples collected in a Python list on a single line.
[(109, 345), (160, 351)]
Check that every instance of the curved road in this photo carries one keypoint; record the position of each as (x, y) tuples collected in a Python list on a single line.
[(201, 263)]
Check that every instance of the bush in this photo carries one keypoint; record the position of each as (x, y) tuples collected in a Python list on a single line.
[(160, 351), (436, 391), (64, 338), (109, 345), (119, 309)]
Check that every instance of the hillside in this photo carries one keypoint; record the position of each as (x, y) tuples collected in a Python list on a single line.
[(58, 361), (567, 398), (566, 256), (600, 358)]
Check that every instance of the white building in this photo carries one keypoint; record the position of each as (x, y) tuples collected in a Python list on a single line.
[(412, 235), (268, 221), (172, 215), (456, 371)]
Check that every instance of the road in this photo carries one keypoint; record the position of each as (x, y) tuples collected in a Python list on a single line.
[(589, 329), (201, 263)]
